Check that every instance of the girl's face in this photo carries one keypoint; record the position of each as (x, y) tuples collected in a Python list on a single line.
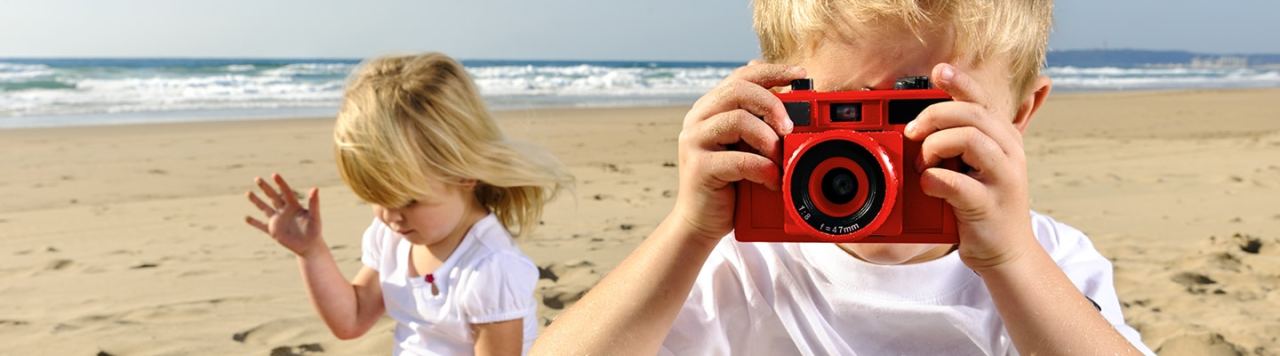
[(428, 221)]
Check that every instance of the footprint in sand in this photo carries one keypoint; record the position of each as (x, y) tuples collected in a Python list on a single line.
[(570, 281), (1198, 344), (1195, 283), (145, 265), (277, 331), (304, 349), (1248, 244), (58, 264)]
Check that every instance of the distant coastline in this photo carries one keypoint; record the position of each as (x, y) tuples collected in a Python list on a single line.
[(1135, 58)]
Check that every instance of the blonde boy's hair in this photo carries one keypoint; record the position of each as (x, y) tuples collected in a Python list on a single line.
[(409, 120), (1018, 29)]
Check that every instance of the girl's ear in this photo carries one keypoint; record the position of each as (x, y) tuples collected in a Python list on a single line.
[(1028, 106)]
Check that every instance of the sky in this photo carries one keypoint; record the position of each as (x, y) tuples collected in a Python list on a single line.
[(678, 30)]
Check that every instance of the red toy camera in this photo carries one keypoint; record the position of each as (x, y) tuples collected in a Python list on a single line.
[(846, 174)]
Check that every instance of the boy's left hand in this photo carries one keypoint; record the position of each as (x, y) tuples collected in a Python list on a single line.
[(990, 201)]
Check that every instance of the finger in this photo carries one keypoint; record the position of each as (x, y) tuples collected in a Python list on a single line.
[(752, 80), (286, 191), (959, 85), (740, 95), (257, 224), (313, 203), (270, 192), (266, 209), (962, 192), (972, 146), (768, 75), (727, 167), (949, 114), (739, 126)]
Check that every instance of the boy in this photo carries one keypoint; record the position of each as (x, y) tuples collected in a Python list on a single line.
[(1018, 282)]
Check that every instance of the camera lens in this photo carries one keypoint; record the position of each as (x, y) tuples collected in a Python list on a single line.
[(838, 187)]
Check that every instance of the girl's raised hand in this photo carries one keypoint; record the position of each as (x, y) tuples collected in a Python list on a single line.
[(294, 227)]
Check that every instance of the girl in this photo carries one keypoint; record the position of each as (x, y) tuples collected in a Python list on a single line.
[(414, 139)]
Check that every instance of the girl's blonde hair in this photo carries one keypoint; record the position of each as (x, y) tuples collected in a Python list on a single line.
[(409, 120), (1017, 29)]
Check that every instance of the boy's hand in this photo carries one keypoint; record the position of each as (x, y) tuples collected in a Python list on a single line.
[(731, 113), (990, 201), (294, 227)]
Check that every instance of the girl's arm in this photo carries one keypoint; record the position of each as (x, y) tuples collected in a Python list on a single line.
[(500, 338), (349, 309)]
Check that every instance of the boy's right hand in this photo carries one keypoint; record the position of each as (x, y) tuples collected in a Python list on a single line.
[(730, 113), (294, 227)]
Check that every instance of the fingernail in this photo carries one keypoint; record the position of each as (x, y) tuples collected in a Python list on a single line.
[(795, 70), (911, 128), (947, 72), (787, 125)]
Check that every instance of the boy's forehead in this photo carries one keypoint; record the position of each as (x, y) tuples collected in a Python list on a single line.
[(841, 62), (866, 60)]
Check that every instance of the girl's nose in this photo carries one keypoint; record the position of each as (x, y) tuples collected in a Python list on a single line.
[(390, 216)]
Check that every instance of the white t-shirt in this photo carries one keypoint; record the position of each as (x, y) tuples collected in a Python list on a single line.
[(486, 279), (815, 299)]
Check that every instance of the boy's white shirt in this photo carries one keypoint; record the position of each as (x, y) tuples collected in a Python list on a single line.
[(486, 279), (815, 299)]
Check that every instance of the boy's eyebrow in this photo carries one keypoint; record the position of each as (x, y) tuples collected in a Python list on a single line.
[(887, 83), (848, 85)]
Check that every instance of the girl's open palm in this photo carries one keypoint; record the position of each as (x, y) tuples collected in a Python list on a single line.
[(293, 226)]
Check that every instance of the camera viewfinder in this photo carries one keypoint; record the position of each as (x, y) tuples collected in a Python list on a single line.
[(846, 112)]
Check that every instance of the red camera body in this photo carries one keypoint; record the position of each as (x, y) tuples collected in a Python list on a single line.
[(846, 174)]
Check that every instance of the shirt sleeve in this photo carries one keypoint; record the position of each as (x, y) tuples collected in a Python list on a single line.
[(501, 289), (371, 245), (1091, 273)]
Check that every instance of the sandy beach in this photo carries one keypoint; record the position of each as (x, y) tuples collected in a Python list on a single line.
[(129, 240)]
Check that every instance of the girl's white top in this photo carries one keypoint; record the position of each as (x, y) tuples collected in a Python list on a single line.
[(815, 299), (486, 279)]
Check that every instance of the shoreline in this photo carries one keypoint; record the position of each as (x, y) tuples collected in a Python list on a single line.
[(243, 115)]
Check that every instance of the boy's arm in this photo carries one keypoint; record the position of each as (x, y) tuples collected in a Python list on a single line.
[(633, 307), (1042, 310), (500, 338), (631, 310), (349, 309)]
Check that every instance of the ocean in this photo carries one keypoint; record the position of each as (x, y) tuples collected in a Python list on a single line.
[(86, 91)]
